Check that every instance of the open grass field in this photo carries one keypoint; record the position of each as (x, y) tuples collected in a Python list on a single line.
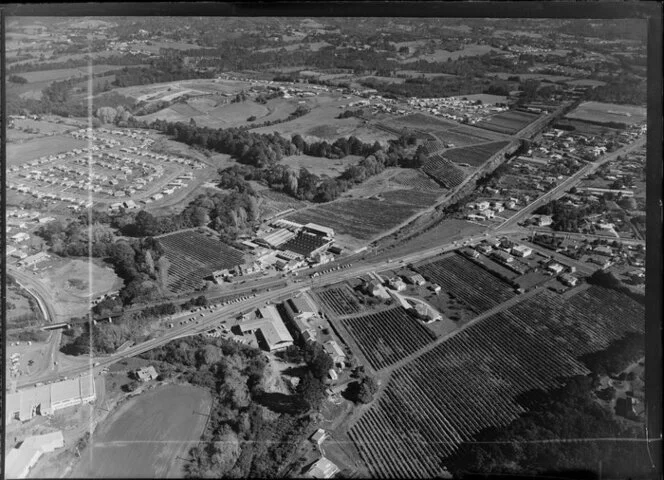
[(148, 436), (20, 153), (597, 112), (194, 256), (63, 73), (508, 122), (41, 127), (321, 123), (586, 82), (471, 381), (320, 166), (475, 155), (388, 336), (473, 285)]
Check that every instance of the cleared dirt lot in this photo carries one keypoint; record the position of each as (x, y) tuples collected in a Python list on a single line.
[(148, 436)]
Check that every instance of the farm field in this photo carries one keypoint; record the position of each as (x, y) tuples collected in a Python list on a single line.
[(148, 436), (470, 283), (531, 76), (586, 82), (194, 256), (273, 202), (475, 155), (415, 179), (18, 154), (443, 171), (446, 130), (597, 112), (471, 381), (339, 299), (508, 122), (388, 336), (358, 218)]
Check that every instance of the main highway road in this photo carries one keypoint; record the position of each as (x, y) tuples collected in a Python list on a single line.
[(212, 319)]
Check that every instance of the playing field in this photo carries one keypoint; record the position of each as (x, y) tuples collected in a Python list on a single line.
[(149, 436), (320, 166), (596, 112), (18, 154), (72, 283)]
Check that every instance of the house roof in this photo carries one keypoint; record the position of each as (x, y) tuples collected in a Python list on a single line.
[(303, 304), (323, 468)]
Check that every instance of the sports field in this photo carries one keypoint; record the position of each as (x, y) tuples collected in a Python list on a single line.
[(596, 112), (149, 436)]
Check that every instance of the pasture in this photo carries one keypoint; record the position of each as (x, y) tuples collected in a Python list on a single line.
[(596, 112), (147, 436), (509, 122), (194, 256), (20, 153), (471, 381)]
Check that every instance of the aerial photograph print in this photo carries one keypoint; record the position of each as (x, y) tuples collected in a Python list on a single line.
[(268, 246)]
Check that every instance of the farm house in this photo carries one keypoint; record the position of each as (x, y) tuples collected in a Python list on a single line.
[(323, 468), (521, 251)]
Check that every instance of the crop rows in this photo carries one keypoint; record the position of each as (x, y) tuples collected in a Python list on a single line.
[(411, 197), (475, 155), (432, 146), (473, 285), (339, 300), (359, 217), (443, 171), (507, 122), (194, 256), (388, 336), (472, 381), (415, 179)]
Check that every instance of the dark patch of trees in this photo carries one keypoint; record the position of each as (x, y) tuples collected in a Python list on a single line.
[(617, 356), (569, 412)]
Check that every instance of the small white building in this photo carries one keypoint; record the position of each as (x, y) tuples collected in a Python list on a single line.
[(555, 268), (521, 251)]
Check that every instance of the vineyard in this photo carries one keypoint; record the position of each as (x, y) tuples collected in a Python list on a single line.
[(388, 336), (339, 300), (443, 171), (193, 257), (415, 179), (471, 381), (475, 155), (470, 283), (508, 122)]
